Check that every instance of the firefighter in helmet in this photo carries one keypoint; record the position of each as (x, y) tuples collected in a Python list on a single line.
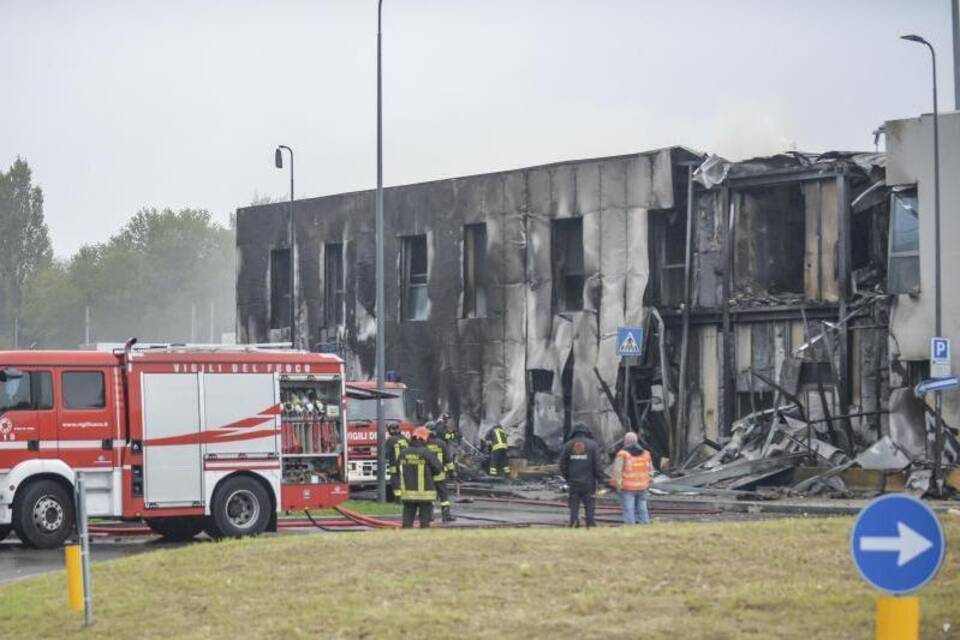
[(439, 449), (496, 440), (395, 443), (447, 432), (418, 469)]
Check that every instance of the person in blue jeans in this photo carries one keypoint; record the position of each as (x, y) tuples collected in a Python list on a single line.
[(631, 478)]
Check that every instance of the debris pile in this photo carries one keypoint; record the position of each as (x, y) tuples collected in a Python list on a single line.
[(782, 451)]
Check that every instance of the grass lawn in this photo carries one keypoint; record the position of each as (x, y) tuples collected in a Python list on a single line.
[(771, 579)]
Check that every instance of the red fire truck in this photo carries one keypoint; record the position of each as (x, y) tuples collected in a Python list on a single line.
[(400, 405), (185, 438)]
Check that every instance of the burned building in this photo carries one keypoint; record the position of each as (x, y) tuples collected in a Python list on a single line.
[(770, 289), (504, 290), (790, 289)]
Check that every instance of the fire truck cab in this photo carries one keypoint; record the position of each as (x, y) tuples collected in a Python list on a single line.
[(185, 438), (400, 406)]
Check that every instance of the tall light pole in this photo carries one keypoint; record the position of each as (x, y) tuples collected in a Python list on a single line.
[(955, 16), (936, 482), (381, 307), (291, 239)]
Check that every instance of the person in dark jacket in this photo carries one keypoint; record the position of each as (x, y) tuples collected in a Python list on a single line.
[(582, 468), (418, 468), (396, 443)]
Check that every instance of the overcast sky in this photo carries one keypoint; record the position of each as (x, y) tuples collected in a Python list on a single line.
[(129, 104)]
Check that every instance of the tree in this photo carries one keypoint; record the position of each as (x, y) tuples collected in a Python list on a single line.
[(24, 241), (156, 280)]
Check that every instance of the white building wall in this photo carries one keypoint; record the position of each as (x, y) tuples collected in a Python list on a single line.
[(910, 161)]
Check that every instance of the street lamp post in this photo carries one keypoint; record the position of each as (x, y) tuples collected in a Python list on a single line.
[(955, 21), (937, 480), (381, 308), (291, 230)]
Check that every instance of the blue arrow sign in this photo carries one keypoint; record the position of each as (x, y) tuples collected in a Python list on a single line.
[(629, 341), (897, 543), (937, 384)]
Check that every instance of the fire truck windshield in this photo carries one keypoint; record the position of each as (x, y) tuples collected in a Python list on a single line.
[(363, 410)]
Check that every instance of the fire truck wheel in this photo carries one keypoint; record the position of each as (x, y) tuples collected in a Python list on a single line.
[(4, 531), (43, 514), (176, 529), (241, 507)]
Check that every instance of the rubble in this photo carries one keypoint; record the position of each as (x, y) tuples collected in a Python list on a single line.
[(767, 448), (883, 455)]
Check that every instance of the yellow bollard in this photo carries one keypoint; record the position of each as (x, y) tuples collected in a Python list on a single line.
[(74, 577), (898, 618)]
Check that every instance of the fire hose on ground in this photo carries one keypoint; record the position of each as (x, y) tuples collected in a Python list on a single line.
[(683, 510)]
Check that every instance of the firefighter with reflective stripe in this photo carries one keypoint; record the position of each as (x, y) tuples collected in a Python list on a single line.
[(497, 439), (439, 449), (418, 469), (631, 477), (394, 444), (447, 432), (451, 438)]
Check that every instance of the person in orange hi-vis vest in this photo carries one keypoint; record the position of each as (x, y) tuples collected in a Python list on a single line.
[(631, 477)]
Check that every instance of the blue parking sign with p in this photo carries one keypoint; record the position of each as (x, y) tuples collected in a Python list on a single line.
[(940, 349)]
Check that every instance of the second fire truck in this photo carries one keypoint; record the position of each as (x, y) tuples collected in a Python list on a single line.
[(400, 406)]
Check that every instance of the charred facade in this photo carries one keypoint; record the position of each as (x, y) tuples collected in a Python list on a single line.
[(774, 294), (504, 290)]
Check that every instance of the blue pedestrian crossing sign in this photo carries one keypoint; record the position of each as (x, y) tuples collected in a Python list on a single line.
[(897, 543), (629, 341)]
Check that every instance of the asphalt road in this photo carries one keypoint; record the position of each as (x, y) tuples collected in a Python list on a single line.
[(18, 561)]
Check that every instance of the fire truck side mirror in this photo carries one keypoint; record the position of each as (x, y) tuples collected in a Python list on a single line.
[(10, 374), (420, 410)]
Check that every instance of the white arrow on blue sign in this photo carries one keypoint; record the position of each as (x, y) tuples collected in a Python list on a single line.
[(897, 543), (937, 384)]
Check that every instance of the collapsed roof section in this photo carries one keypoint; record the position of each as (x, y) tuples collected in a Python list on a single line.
[(774, 294)]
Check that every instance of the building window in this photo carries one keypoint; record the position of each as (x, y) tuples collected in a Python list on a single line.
[(769, 241), (566, 253), (333, 284), (474, 270), (83, 390), (414, 270), (671, 231), (903, 272), (279, 288)]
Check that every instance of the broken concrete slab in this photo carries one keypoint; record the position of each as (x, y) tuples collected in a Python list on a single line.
[(883, 455)]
